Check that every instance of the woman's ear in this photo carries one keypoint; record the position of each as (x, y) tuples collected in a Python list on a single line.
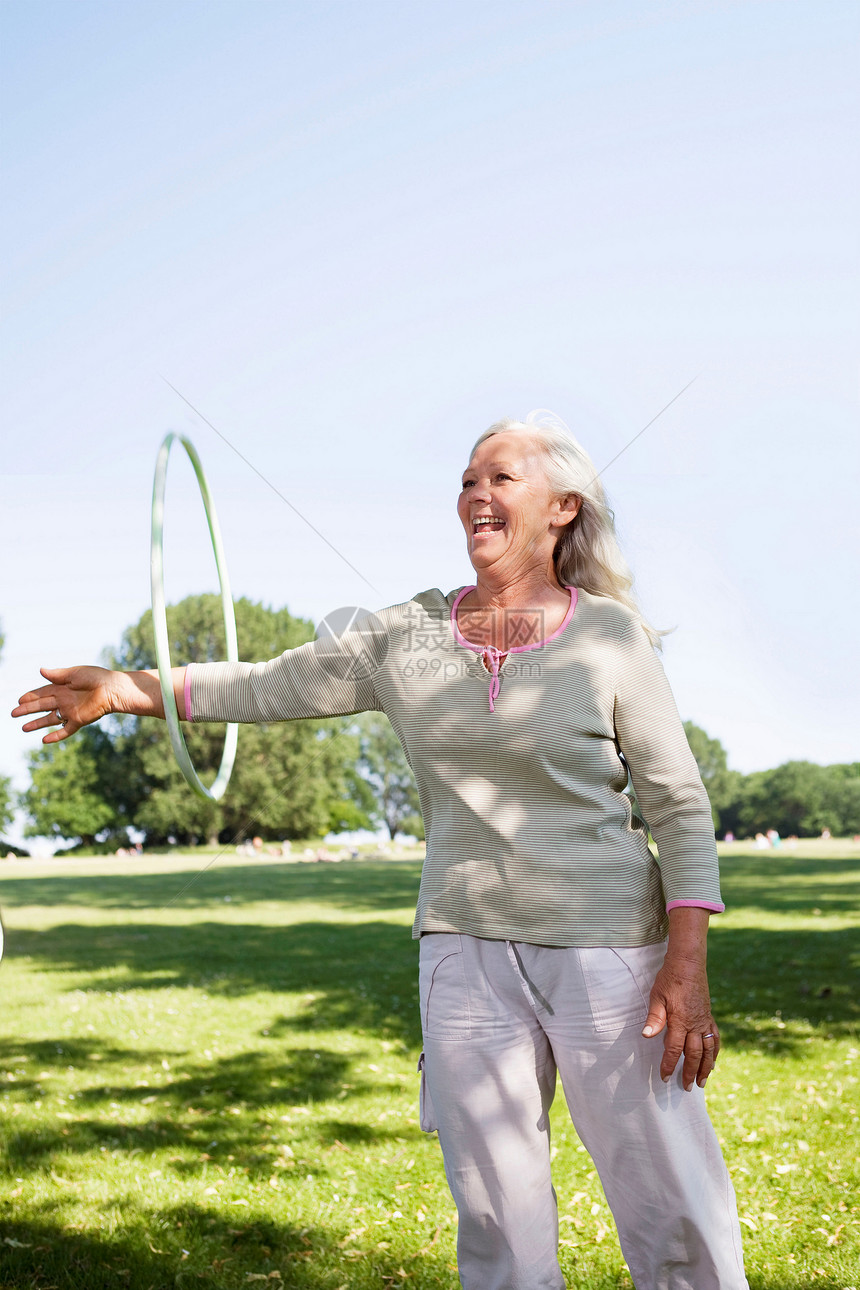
[(569, 508)]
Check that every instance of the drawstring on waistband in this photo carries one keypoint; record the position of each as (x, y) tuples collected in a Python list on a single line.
[(530, 990)]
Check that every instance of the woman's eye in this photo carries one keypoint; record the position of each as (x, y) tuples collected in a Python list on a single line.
[(467, 483)]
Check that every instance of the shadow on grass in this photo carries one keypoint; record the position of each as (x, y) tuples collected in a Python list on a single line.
[(190, 1246), (361, 886), (362, 976), (207, 1110), (187, 1246), (30, 1150), (762, 981), (776, 882)]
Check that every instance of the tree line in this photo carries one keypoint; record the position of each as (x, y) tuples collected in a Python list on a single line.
[(303, 779), (798, 799)]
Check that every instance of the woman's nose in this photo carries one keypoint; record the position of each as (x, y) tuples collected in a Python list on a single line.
[(480, 491)]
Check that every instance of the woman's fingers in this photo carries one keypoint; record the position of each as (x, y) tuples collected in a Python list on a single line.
[(57, 675), (59, 727), (656, 1019), (30, 709), (700, 1056), (673, 1047), (48, 699), (698, 1050), (35, 701), (693, 1054), (50, 720), (60, 732), (39, 699), (710, 1050)]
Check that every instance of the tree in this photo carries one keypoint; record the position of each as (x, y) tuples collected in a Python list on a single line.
[(800, 798), (7, 813), (392, 799), (65, 798), (720, 783), (840, 802)]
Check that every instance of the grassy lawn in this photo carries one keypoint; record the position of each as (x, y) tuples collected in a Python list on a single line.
[(214, 1085)]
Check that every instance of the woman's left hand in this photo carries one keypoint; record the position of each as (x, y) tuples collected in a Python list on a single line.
[(680, 1002)]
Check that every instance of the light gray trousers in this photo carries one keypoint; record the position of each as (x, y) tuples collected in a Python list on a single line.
[(500, 1019)]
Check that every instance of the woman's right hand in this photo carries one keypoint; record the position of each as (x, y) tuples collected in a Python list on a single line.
[(74, 697)]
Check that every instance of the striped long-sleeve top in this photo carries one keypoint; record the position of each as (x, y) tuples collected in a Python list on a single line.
[(521, 775)]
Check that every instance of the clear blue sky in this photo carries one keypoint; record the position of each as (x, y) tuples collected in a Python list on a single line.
[(353, 235)]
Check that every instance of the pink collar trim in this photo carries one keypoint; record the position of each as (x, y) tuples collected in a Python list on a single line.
[(493, 656)]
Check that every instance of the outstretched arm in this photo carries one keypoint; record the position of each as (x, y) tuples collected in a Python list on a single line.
[(77, 696)]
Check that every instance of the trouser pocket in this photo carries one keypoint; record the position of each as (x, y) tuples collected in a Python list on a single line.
[(618, 983), (442, 988), (426, 1114)]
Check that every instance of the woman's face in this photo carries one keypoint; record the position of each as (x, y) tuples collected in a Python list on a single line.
[(511, 517)]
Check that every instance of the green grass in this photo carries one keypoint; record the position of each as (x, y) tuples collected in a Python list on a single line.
[(214, 1085)]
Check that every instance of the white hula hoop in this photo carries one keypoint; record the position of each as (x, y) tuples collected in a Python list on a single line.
[(159, 618)]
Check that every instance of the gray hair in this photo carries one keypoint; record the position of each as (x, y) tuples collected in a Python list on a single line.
[(587, 554)]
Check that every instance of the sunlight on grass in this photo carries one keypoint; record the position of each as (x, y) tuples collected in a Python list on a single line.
[(215, 1085)]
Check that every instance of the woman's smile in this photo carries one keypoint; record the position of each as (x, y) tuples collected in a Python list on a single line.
[(484, 526)]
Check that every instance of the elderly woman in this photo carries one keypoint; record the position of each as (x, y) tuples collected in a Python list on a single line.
[(551, 939)]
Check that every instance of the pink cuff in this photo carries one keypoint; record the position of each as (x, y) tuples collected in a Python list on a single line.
[(695, 904), (187, 692)]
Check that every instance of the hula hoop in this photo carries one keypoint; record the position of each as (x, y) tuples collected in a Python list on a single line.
[(159, 618)]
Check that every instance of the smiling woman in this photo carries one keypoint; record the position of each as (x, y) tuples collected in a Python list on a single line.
[(551, 939)]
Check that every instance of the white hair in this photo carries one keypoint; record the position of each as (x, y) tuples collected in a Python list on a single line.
[(587, 554)]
